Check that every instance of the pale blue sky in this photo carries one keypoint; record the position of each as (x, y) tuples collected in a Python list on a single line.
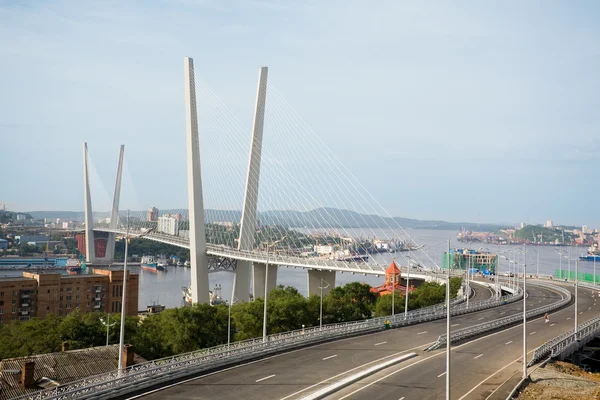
[(488, 110)]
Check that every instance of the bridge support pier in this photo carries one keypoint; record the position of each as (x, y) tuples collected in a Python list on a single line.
[(258, 279), (314, 281), (241, 289)]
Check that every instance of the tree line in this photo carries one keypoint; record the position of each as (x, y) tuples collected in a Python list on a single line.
[(189, 328)]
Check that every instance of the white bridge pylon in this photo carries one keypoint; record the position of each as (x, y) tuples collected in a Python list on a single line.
[(206, 257)]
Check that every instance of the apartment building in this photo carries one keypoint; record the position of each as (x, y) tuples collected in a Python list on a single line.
[(43, 293)]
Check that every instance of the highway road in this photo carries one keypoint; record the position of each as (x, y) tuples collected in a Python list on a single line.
[(485, 368), (295, 374)]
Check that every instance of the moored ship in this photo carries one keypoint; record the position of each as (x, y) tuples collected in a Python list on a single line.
[(214, 295), (593, 253), (149, 264)]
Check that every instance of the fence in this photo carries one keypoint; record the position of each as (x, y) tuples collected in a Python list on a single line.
[(465, 333)]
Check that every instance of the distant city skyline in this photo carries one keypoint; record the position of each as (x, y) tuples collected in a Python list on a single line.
[(442, 111)]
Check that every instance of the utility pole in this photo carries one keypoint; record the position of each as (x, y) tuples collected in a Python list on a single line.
[(448, 328)]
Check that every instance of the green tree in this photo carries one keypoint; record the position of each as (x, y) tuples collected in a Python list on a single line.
[(383, 305), (351, 302)]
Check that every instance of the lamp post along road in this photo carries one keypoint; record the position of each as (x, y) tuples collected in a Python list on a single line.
[(123, 300), (524, 315), (233, 300), (266, 293), (406, 291), (107, 324), (321, 306), (448, 328), (576, 287)]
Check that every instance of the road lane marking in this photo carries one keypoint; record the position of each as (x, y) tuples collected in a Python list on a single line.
[(401, 398), (380, 343), (421, 333), (479, 319), (346, 372), (508, 342), (552, 324), (476, 357), (503, 312), (327, 358), (532, 333), (265, 378), (442, 374), (453, 325), (568, 318), (581, 313)]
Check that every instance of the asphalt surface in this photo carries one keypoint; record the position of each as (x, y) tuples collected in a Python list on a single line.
[(298, 373), (485, 368)]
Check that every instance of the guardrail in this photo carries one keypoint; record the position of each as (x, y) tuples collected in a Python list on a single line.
[(465, 333), (151, 373), (568, 341)]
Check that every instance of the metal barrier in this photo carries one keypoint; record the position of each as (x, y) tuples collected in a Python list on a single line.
[(465, 333), (568, 341), (167, 369)]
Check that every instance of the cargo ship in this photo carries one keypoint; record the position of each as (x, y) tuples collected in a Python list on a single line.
[(593, 253), (149, 264)]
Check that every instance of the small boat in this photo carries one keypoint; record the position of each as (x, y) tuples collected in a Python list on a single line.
[(179, 264), (187, 264), (149, 264), (214, 296), (162, 262)]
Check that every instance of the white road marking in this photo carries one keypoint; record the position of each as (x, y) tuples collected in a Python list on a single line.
[(479, 319), (503, 312), (420, 333), (508, 342), (579, 314), (401, 398), (476, 357), (568, 318), (453, 325), (552, 324), (379, 344), (266, 377), (532, 333), (327, 358), (442, 374)]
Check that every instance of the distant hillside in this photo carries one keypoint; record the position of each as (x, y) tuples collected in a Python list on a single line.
[(8, 216), (318, 218)]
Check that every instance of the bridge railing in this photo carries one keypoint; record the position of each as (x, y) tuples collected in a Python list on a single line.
[(151, 373), (462, 334)]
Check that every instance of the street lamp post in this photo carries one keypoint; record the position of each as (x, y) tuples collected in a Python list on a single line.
[(406, 292), (123, 300), (321, 307), (124, 295), (448, 328), (266, 293), (576, 286), (524, 315), (107, 324), (266, 289), (233, 300)]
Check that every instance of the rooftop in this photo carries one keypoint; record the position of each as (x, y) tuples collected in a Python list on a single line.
[(58, 368)]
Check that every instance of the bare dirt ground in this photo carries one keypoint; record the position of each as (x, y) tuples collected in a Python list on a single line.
[(562, 381)]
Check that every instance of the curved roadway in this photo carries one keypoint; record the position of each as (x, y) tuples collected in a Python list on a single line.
[(298, 373)]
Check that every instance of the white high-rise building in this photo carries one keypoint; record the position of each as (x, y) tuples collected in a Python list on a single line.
[(549, 224), (168, 224), (584, 229)]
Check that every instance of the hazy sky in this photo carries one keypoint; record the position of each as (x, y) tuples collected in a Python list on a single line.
[(459, 110)]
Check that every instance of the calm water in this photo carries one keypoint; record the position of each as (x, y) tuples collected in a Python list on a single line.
[(165, 287)]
